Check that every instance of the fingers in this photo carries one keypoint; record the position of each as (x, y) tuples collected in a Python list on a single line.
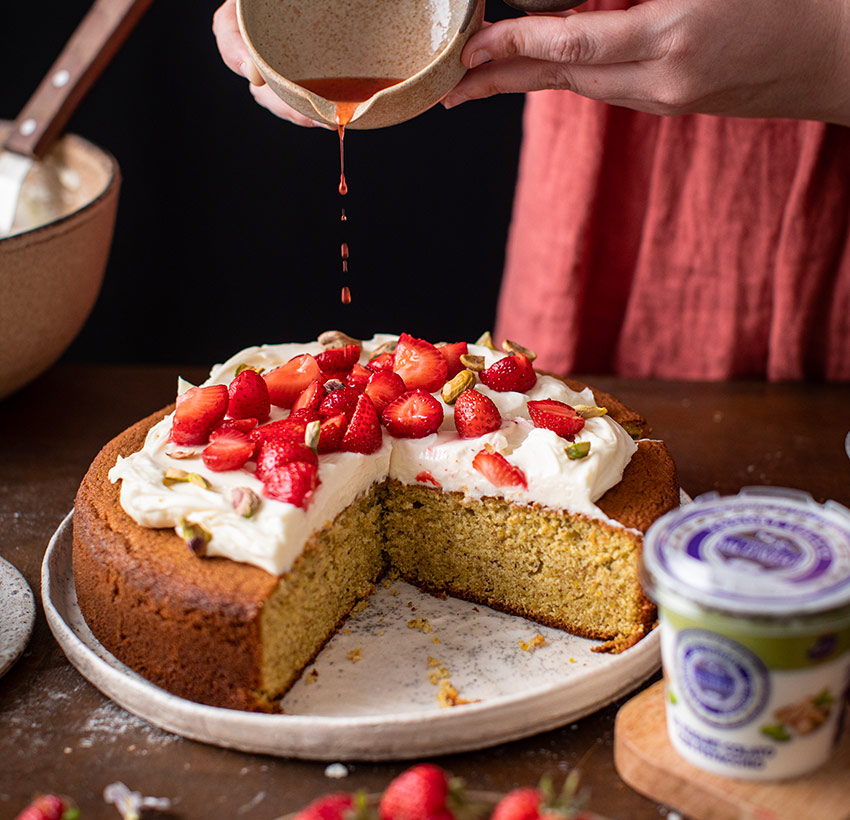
[(232, 46), (592, 37)]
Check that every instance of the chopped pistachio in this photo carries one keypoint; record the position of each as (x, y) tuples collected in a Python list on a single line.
[(336, 338), (472, 362), (453, 388), (311, 434), (514, 347), (245, 501), (588, 411), (578, 449), (243, 366), (174, 475), (195, 536), (172, 451), (333, 384), (385, 347), (486, 339)]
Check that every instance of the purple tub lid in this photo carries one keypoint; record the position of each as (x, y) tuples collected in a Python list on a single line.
[(766, 551)]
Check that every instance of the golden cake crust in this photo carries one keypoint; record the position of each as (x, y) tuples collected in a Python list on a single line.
[(194, 626)]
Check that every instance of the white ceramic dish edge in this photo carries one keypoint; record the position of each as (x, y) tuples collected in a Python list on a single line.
[(331, 738)]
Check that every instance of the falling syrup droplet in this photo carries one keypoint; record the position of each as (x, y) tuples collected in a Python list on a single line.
[(345, 296)]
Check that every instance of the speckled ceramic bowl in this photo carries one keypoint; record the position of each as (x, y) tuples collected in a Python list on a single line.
[(51, 273), (416, 41)]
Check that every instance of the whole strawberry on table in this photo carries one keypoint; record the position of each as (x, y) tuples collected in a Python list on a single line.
[(427, 792)]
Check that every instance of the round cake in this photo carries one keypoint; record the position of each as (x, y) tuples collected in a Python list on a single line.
[(219, 543)]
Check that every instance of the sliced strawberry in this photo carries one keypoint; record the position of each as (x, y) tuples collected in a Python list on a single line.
[(425, 477), (199, 410), (414, 414), (452, 353), (476, 414), (249, 396), (293, 483), (288, 429), (228, 450), (512, 373), (274, 453), (310, 397), (242, 425), (343, 400), (363, 434), (338, 360), (384, 387), (358, 377), (287, 381), (420, 364), (555, 415), (498, 470), (331, 433), (383, 361)]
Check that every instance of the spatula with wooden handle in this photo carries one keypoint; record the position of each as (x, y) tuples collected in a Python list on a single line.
[(90, 49)]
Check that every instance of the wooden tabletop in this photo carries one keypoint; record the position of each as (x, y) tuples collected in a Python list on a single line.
[(58, 733)]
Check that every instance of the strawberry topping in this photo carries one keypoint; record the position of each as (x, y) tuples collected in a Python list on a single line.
[(249, 396), (228, 450), (556, 416), (288, 380), (336, 806), (337, 360), (498, 470), (512, 373), (343, 400), (293, 483), (425, 477), (383, 387), (310, 397), (476, 414), (199, 411), (331, 432), (383, 361), (288, 429), (452, 353), (274, 453), (414, 414), (420, 364), (363, 434), (358, 377)]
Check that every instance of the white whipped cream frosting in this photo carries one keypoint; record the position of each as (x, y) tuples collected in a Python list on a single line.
[(275, 535)]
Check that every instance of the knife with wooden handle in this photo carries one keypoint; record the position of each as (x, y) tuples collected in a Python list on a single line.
[(92, 46)]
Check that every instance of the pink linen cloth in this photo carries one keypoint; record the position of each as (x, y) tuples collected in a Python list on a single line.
[(691, 247)]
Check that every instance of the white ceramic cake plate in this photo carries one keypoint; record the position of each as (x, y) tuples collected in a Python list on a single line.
[(17, 615), (372, 692)]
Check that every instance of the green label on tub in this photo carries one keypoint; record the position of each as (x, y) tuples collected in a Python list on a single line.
[(796, 647)]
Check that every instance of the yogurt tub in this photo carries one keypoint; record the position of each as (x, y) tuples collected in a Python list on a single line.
[(753, 594)]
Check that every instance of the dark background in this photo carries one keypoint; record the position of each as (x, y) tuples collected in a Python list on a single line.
[(228, 229)]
